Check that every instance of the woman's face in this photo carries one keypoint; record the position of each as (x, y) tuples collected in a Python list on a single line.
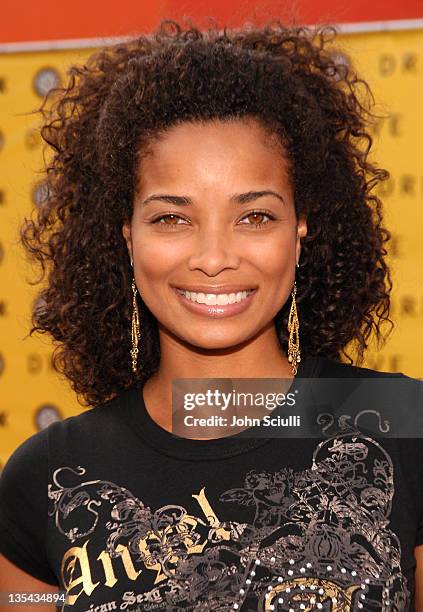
[(214, 212)]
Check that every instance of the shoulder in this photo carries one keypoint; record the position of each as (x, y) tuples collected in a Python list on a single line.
[(29, 456), (102, 419), (88, 429), (395, 388), (331, 368), (390, 403)]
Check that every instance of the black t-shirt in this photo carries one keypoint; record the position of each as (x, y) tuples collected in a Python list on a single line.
[(126, 516)]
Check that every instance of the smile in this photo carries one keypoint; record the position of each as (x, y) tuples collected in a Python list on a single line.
[(215, 305), (213, 299)]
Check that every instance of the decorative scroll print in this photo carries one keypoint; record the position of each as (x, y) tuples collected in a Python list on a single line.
[(318, 539)]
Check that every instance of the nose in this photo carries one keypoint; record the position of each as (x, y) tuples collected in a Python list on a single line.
[(214, 250)]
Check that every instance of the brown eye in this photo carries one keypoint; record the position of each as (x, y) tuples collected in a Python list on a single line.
[(174, 220), (257, 217)]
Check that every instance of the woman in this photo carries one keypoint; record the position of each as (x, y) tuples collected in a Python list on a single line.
[(188, 165)]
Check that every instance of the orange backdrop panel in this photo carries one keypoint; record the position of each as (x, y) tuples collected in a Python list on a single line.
[(50, 20)]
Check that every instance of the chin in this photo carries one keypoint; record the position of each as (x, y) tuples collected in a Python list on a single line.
[(211, 342)]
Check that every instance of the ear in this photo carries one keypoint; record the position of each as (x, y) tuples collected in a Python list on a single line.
[(301, 232), (126, 232)]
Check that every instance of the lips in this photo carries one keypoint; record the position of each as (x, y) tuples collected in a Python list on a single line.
[(216, 310)]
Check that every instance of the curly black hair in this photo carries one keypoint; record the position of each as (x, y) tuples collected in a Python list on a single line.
[(294, 82)]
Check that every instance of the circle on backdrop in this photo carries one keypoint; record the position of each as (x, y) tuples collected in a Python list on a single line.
[(45, 415), (2, 364), (45, 79), (338, 58), (39, 302), (40, 193), (34, 363), (32, 138)]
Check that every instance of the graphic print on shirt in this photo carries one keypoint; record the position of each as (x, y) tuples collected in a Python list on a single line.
[(318, 539)]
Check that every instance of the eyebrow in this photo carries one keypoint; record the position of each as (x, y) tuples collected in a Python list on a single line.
[(237, 198)]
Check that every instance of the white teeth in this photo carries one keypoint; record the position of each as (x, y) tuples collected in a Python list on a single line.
[(213, 299)]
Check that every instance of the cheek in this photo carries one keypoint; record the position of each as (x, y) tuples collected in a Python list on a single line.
[(275, 255), (158, 257)]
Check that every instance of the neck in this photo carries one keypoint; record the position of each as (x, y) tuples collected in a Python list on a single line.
[(260, 357)]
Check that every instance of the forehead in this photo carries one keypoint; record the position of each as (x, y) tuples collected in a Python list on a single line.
[(214, 150)]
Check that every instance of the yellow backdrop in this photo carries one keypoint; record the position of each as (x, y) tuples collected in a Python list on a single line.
[(31, 392)]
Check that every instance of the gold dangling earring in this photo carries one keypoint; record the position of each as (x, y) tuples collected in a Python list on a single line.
[(294, 353), (135, 325)]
